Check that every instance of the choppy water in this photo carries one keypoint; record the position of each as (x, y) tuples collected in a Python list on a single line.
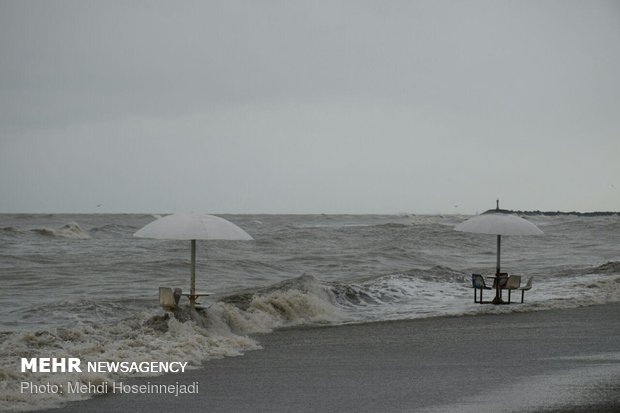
[(82, 286)]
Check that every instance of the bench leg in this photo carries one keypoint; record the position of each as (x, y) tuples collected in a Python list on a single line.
[(509, 296), (522, 294)]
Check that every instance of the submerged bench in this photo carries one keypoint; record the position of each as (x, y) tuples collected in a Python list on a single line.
[(477, 282), (169, 299), (506, 282), (527, 287), (514, 283)]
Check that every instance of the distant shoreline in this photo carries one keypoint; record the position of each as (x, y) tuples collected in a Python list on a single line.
[(555, 213), (401, 214)]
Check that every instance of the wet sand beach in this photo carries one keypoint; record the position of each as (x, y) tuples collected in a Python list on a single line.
[(557, 360)]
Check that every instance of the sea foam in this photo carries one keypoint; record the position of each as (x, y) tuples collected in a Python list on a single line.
[(188, 335)]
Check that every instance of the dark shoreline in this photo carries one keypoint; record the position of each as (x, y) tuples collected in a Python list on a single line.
[(547, 361), (554, 213)]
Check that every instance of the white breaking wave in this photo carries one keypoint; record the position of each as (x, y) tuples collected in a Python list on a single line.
[(138, 339), (189, 336), (405, 296), (279, 309), (71, 230)]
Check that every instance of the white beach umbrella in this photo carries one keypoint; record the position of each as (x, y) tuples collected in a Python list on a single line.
[(193, 227), (498, 223)]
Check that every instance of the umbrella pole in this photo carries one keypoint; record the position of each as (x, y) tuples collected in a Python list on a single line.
[(192, 291), (499, 253), (498, 292)]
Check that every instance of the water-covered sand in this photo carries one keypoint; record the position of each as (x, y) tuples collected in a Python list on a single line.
[(557, 360)]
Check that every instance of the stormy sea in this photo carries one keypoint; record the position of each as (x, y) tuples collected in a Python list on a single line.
[(83, 286)]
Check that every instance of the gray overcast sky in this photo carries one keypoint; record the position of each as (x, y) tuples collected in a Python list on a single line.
[(309, 106)]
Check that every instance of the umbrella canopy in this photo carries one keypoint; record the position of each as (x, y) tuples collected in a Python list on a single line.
[(497, 223), (193, 227)]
